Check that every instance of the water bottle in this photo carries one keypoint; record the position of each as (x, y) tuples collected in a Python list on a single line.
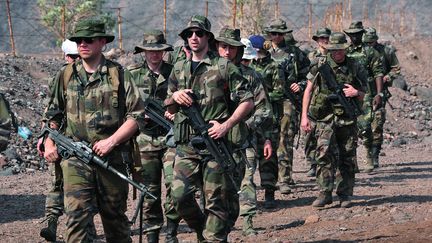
[(24, 132)]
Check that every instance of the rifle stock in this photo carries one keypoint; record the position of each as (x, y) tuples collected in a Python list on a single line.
[(157, 114)]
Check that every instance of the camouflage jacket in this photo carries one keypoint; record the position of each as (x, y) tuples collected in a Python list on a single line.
[(389, 60), (5, 123), (268, 69), (218, 85), (88, 109), (348, 72), (261, 120), (151, 86), (371, 60)]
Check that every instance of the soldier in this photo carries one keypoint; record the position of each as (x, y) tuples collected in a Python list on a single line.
[(224, 101), (54, 202), (294, 83), (151, 78), (318, 56), (391, 70), (334, 127), (5, 123), (96, 101), (372, 62), (268, 69), (229, 46)]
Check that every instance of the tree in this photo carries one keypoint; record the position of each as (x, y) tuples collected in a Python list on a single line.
[(52, 12)]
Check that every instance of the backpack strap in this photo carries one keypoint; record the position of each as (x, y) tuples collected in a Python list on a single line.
[(117, 81)]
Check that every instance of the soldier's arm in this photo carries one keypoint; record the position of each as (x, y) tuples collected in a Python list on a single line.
[(394, 66), (172, 105), (305, 124)]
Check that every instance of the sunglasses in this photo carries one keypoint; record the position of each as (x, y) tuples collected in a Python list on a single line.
[(277, 33), (199, 33), (87, 40)]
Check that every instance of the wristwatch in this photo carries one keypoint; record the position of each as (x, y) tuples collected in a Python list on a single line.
[(381, 94)]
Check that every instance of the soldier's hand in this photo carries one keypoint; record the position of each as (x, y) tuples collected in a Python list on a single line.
[(386, 79), (182, 98), (51, 155), (350, 91), (217, 130), (104, 146), (169, 116), (295, 87), (376, 103), (39, 147), (268, 150), (305, 124)]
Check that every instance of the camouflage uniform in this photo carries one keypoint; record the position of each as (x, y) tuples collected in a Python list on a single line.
[(5, 123), (89, 110), (219, 86), (372, 62), (391, 70), (289, 122), (155, 155), (334, 130)]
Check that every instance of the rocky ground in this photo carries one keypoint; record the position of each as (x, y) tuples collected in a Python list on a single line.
[(391, 204)]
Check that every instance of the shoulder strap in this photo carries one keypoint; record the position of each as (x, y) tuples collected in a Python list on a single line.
[(223, 63), (67, 74), (117, 81)]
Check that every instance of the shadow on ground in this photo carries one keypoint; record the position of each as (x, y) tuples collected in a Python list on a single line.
[(21, 207)]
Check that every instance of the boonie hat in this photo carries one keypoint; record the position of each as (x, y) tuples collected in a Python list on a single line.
[(229, 36), (154, 40), (249, 51), (355, 27), (337, 41), (88, 28), (289, 39), (370, 35), (278, 26), (321, 32), (198, 21), (69, 47)]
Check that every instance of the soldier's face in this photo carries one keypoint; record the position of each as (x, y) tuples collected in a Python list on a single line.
[(356, 38), (197, 39), (323, 41), (90, 47), (277, 37), (153, 57), (227, 51), (338, 55)]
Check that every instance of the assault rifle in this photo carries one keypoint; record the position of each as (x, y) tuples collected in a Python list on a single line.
[(67, 148), (351, 108), (217, 147), (284, 71), (157, 114)]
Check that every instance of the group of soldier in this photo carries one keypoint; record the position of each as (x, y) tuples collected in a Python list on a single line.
[(254, 94)]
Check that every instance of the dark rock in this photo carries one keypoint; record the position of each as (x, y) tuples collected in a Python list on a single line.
[(400, 82), (398, 142), (424, 93)]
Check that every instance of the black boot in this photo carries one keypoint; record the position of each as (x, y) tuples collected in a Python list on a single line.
[(270, 201), (50, 232), (171, 232), (153, 236)]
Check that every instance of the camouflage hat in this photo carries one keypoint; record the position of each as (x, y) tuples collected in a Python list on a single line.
[(355, 27), (197, 21), (337, 41), (229, 36), (88, 28), (289, 39), (278, 26), (321, 32), (154, 40), (370, 35)]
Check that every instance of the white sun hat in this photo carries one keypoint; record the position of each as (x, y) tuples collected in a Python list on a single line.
[(249, 52)]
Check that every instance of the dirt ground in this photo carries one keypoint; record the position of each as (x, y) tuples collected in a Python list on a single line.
[(392, 204)]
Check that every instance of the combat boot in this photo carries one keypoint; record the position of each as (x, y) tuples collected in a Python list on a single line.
[(171, 232), (153, 236), (323, 199), (369, 165), (312, 171), (50, 231), (248, 228), (270, 201), (284, 188), (375, 156), (345, 201)]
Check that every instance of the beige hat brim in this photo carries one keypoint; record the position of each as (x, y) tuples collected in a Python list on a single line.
[(153, 47), (230, 42), (337, 46)]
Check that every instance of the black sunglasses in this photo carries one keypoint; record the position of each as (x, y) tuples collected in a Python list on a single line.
[(276, 33), (199, 33), (87, 40)]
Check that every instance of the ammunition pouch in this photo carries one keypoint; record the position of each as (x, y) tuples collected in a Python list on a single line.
[(181, 128)]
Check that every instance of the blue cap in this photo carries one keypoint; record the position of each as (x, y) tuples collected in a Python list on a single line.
[(257, 41)]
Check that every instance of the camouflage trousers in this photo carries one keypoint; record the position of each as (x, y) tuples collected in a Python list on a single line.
[(191, 172), (54, 201), (153, 164), (373, 135), (268, 169), (88, 190), (331, 167), (310, 145), (285, 151)]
